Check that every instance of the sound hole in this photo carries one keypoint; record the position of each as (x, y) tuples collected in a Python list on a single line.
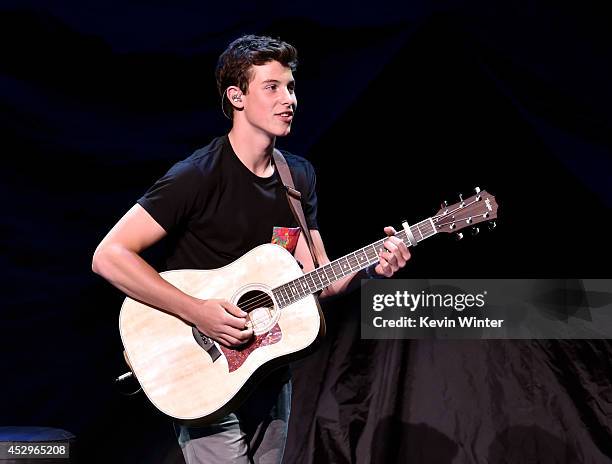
[(260, 309)]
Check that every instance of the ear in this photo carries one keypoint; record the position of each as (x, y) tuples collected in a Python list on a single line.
[(234, 96)]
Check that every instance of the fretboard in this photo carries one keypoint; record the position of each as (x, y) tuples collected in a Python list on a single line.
[(323, 276)]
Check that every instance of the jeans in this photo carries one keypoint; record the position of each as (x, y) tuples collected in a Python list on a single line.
[(254, 434)]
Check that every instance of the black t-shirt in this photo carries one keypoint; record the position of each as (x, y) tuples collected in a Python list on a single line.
[(215, 209)]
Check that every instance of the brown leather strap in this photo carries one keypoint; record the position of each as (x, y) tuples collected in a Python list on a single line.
[(294, 197)]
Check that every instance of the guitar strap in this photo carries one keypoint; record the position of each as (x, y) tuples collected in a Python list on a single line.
[(294, 197)]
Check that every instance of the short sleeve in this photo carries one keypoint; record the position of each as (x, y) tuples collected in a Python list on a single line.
[(309, 201), (175, 196)]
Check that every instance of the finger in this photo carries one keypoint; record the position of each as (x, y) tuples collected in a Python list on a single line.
[(241, 335), (395, 240), (379, 269), (400, 250), (404, 251), (391, 243), (389, 230), (390, 246), (229, 341), (397, 247), (232, 309), (236, 322), (391, 258), (246, 334), (385, 268), (399, 258)]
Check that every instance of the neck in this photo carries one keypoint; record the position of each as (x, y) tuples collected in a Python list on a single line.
[(254, 149), (325, 275)]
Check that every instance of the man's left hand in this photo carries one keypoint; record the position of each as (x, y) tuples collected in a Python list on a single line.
[(395, 255)]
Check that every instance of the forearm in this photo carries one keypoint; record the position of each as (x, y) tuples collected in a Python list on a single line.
[(131, 274)]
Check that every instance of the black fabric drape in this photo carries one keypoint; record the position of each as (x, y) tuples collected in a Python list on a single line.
[(451, 401)]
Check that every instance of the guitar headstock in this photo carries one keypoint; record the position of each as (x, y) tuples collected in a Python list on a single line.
[(480, 207)]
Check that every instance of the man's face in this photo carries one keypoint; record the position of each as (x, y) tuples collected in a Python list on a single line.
[(270, 101)]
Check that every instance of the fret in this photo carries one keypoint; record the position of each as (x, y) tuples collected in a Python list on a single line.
[(420, 236), (361, 258), (334, 268), (372, 252), (427, 229), (277, 296), (289, 291), (330, 272), (331, 266), (300, 291), (419, 231), (352, 260), (316, 273), (322, 271), (312, 282), (326, 269), (293, 289), (346, 265), (337, 268), (284, 294), (341, 271), (433, 226)]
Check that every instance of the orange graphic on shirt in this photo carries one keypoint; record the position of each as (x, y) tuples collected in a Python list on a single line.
[(287, 237)]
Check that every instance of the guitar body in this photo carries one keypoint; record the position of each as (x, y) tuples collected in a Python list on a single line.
[(174, 368)]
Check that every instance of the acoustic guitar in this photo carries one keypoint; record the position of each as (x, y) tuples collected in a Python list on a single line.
[(192, 378)]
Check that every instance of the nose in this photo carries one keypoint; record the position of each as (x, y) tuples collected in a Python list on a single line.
[(289, 97)]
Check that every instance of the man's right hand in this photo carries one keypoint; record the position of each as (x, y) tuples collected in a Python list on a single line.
[(222, 321)]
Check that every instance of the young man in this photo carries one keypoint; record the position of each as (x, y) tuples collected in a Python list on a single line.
[(215, 206)]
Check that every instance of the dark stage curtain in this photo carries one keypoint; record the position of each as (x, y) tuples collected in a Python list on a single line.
[(453, 401)]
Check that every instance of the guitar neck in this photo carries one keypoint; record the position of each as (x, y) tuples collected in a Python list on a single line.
[(323, 276)]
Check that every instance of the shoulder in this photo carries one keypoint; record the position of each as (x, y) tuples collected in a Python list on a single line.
[(199, 166), (298, 165), (204, 160), (202, 163)]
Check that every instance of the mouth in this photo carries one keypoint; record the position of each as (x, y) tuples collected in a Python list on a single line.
[(286, 116)]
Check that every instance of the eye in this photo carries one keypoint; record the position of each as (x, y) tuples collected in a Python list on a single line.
[(271, 87)]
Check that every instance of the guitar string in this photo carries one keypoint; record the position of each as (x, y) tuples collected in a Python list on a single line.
[(255, 301), (265, 298), (260, 299)]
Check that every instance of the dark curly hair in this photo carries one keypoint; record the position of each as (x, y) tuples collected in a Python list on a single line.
[(234, 65)]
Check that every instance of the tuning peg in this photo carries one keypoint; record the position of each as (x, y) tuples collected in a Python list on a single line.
[(444, 205), (459, 235), (477, 189), (461, 199), (452, 226), (475, 230), (461, 196), (492, 225)]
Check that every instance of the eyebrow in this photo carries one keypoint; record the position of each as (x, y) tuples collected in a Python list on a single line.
[(276, 81)]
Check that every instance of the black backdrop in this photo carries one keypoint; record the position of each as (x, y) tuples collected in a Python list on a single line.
[(400, 107)]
